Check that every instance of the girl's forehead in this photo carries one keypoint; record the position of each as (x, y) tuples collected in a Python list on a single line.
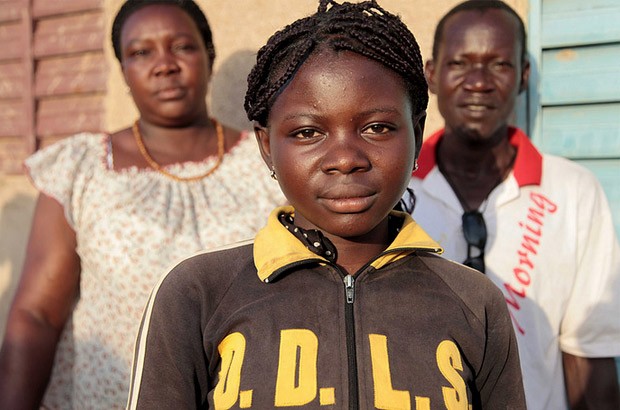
[(343, 84)]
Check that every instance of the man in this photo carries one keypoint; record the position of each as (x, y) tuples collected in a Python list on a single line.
[(539, 226)]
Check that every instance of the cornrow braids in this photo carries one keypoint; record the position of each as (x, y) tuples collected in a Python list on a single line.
[(480, 6), (363, 28), (188, 6)]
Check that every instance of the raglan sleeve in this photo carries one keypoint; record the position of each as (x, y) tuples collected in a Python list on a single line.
[(591, 323), (169, 365), (499, 381)]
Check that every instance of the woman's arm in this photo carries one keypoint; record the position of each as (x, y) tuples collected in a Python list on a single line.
[(44, 300)]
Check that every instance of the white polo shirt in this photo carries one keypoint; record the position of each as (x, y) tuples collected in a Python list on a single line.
[(551, 249)]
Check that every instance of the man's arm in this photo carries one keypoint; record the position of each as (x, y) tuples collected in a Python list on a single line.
[(591, 383)]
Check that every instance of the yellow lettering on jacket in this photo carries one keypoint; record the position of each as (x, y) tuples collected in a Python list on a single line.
[(385, 395), (232, 350), (449, 361), (296, 383), (422, 403)]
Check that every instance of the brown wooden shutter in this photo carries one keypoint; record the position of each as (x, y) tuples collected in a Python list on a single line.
[(53, 74)]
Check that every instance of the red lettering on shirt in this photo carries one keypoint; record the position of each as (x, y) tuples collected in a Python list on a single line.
[(532, 226)]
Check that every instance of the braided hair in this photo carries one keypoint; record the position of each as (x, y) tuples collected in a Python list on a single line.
[(188, 6), (480, 6), (363, 28)]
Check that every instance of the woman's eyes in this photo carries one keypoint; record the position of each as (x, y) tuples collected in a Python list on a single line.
[(174, 48), (184, 47), (138, 52)]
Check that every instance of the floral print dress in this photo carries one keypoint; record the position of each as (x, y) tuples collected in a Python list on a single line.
[(132, 226)]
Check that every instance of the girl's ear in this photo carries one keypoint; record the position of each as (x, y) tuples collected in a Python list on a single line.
[(429, 73), (262, 137), (419, 132)]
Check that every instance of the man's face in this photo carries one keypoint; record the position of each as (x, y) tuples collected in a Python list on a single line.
[(478, 74)]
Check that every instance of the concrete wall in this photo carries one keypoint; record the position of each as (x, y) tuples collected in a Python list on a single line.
[(239, 27)]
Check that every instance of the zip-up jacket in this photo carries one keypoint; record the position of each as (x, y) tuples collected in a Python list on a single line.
[(270, 324)]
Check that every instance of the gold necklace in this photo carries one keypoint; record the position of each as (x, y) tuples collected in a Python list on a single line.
[(220, 154)]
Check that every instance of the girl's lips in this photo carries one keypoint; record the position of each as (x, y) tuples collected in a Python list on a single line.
[(349, 205)]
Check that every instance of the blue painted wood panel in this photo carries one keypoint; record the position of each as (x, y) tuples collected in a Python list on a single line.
[(574, 93), (574, 45), (581, 75), (581, 131), (589, 22), (607, 172)]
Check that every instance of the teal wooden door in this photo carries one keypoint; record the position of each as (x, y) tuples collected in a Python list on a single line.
[(574, 95), (573, 102)]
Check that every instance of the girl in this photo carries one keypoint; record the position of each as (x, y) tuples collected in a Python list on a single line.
[(339, 301)]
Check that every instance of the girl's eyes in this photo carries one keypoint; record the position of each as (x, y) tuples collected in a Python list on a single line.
[(373, 130), (378, 129), (306, 134)]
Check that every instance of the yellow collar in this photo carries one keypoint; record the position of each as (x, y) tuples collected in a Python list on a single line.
[(276, 249)]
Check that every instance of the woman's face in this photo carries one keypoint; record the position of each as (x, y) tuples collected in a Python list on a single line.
[(342, 141), (165, 65)]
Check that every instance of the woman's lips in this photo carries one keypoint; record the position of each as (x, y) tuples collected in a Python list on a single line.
[(171, 93)]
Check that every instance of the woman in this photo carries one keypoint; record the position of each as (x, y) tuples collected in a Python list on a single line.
[(116, 210)]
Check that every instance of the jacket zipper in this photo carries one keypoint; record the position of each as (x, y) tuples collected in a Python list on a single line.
[(349, 287)]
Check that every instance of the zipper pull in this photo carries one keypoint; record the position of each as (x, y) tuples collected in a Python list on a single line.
[(349, 286)]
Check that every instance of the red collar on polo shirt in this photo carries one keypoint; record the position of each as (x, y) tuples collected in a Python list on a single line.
[(528, 163)]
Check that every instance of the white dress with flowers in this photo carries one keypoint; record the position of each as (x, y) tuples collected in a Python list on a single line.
[(132, 226)]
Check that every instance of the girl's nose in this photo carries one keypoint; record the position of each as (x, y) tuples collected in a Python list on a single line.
[(345, 153)]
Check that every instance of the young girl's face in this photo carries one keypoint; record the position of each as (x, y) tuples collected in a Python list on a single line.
[(342, 139)]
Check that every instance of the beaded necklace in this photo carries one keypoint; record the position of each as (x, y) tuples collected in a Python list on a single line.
[(153, 164)]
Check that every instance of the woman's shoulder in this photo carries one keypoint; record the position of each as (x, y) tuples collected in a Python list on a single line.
[(242, 140), (70, 150), (243, 156), (69, 155)]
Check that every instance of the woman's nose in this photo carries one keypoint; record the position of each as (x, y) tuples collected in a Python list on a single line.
[(165, 64)]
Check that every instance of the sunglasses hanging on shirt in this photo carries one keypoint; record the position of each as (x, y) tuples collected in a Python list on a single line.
[(475, 232)]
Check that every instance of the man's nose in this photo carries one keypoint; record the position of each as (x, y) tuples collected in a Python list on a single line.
[(478, 78)]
